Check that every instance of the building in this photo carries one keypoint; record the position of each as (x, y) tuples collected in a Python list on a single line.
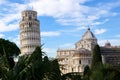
[(110, 54), (29, 32), (74, 60)]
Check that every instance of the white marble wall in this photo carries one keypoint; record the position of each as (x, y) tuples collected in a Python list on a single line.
[(29, 32)]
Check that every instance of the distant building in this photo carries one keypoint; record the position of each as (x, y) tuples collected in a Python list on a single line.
[(74, 60), (110, 54), (29, 32)]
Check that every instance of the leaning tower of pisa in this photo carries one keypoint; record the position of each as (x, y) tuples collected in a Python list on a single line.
[(29, 32)]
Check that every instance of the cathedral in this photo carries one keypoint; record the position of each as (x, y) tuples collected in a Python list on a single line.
[(74, 60)]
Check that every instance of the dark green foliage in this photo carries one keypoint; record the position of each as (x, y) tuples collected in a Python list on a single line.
[(105, 72), (101, 71), (36, 55), (35, 67), (10, 48), (96, 57), (11, 62), (72, 76), (4, 66), (86, 73)]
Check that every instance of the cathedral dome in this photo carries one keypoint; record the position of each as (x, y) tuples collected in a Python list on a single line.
[(107, 44), (88, 35)]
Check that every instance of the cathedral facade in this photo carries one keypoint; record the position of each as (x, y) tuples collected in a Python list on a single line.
[(74, 60)]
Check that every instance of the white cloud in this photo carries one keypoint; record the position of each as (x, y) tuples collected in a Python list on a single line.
[(9, 27), (2, 1), (63, 10), (78, 14), (10, 16), (50, 33), (2, 35), (66, 12), (100, 31), (55, 7)]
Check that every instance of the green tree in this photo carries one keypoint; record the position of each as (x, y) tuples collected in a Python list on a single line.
[(86, 73), (28, 67), (105, 72), (11, 48), (72, 76), (97, 74), (4, 67), (35, 67), (96, 58), (7, 51)]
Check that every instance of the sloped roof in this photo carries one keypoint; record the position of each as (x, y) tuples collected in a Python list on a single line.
[(81, 51), (88, 35), (110, 51)]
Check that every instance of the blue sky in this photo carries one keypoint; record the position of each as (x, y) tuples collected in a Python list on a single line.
[(63, 22)]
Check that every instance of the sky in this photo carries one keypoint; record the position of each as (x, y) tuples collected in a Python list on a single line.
[(63, 22)]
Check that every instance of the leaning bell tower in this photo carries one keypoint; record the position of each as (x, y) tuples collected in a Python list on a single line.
[(29, 32)]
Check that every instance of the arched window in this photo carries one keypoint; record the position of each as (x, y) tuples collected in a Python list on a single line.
[(72, 69), (79, 61), (30, 24)]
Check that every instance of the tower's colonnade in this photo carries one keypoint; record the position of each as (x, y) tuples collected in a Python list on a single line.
[(29, 32)]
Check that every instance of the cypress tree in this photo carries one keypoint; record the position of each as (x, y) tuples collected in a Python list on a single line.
[(96, 57)]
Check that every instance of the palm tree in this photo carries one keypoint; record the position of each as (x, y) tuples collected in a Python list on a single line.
[(35, 67), (4, 65)]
